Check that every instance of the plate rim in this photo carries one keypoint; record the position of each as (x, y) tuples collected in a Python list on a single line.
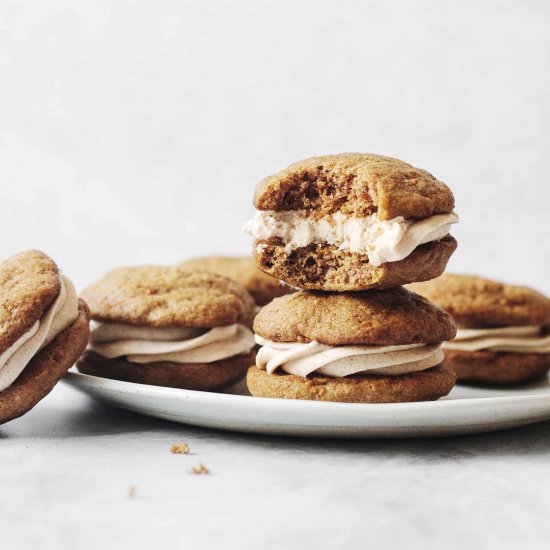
[(76, 379)]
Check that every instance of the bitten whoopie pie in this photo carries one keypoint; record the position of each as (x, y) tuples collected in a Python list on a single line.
[(168, 326), (261, 286), (380, 346), (44, 328), (503, 330), (352, 221)]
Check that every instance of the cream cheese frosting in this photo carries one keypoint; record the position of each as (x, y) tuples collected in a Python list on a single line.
[(59, 315), (178, 345), (526, 339), (338, 361), (381, 240)]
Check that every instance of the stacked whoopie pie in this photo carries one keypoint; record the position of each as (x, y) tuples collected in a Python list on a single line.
[(348, 230)]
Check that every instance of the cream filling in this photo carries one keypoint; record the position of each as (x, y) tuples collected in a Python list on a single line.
[(338, 361), (381, 240), (178, 345), (526, 339), (61, 313)]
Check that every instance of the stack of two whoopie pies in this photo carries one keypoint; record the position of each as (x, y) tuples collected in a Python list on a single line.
[(347, 231)]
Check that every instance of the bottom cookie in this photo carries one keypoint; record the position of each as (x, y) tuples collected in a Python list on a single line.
[(326, 267), (189, 376), (489, 367), (46, 368), (426, 385)]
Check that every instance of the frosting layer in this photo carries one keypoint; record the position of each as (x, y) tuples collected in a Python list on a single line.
[(179, 345), (381, 240), (526, 339), (61, 313), (338, 361)]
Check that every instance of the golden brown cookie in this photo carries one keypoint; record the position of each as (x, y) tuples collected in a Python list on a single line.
[(35, 352), (427, 385), (355, 183), (489, 367), (190, 376), (261, 286), (477, 302), (377, 317), (168, 297), (30, 283), (325, 267), (46, 368), (352, 185)]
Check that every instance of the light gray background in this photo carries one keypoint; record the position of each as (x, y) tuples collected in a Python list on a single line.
[(134, 132)]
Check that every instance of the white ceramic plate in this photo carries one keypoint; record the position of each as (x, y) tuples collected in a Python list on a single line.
[(465, 410)]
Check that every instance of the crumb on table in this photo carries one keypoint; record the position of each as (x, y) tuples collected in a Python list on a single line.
[(200, 469), (179, 449), (132, 492)]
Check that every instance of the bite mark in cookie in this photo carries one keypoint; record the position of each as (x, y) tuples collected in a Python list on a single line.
[(324, 267), (377, 210)]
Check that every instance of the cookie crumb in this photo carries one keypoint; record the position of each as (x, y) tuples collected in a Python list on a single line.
[(179, 449), (132, 492), (200, 469)]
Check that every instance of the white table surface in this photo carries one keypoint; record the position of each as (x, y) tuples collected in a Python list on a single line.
[(67, 468)]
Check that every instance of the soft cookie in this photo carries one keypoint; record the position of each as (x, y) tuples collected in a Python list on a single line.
[(261, 286), (169, 326), (352, 221), (503, 330), (44, 328), (380, 346)]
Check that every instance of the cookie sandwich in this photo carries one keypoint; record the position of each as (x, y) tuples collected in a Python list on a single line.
[(352, 221), (168, 326), (503, 332), (44, 328), (379, 346), (261, 286)]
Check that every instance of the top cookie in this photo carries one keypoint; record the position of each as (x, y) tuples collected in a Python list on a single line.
[(30, 282), (376, 317), (168, 297), (477, 302), (358, 184), (261, 286)]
